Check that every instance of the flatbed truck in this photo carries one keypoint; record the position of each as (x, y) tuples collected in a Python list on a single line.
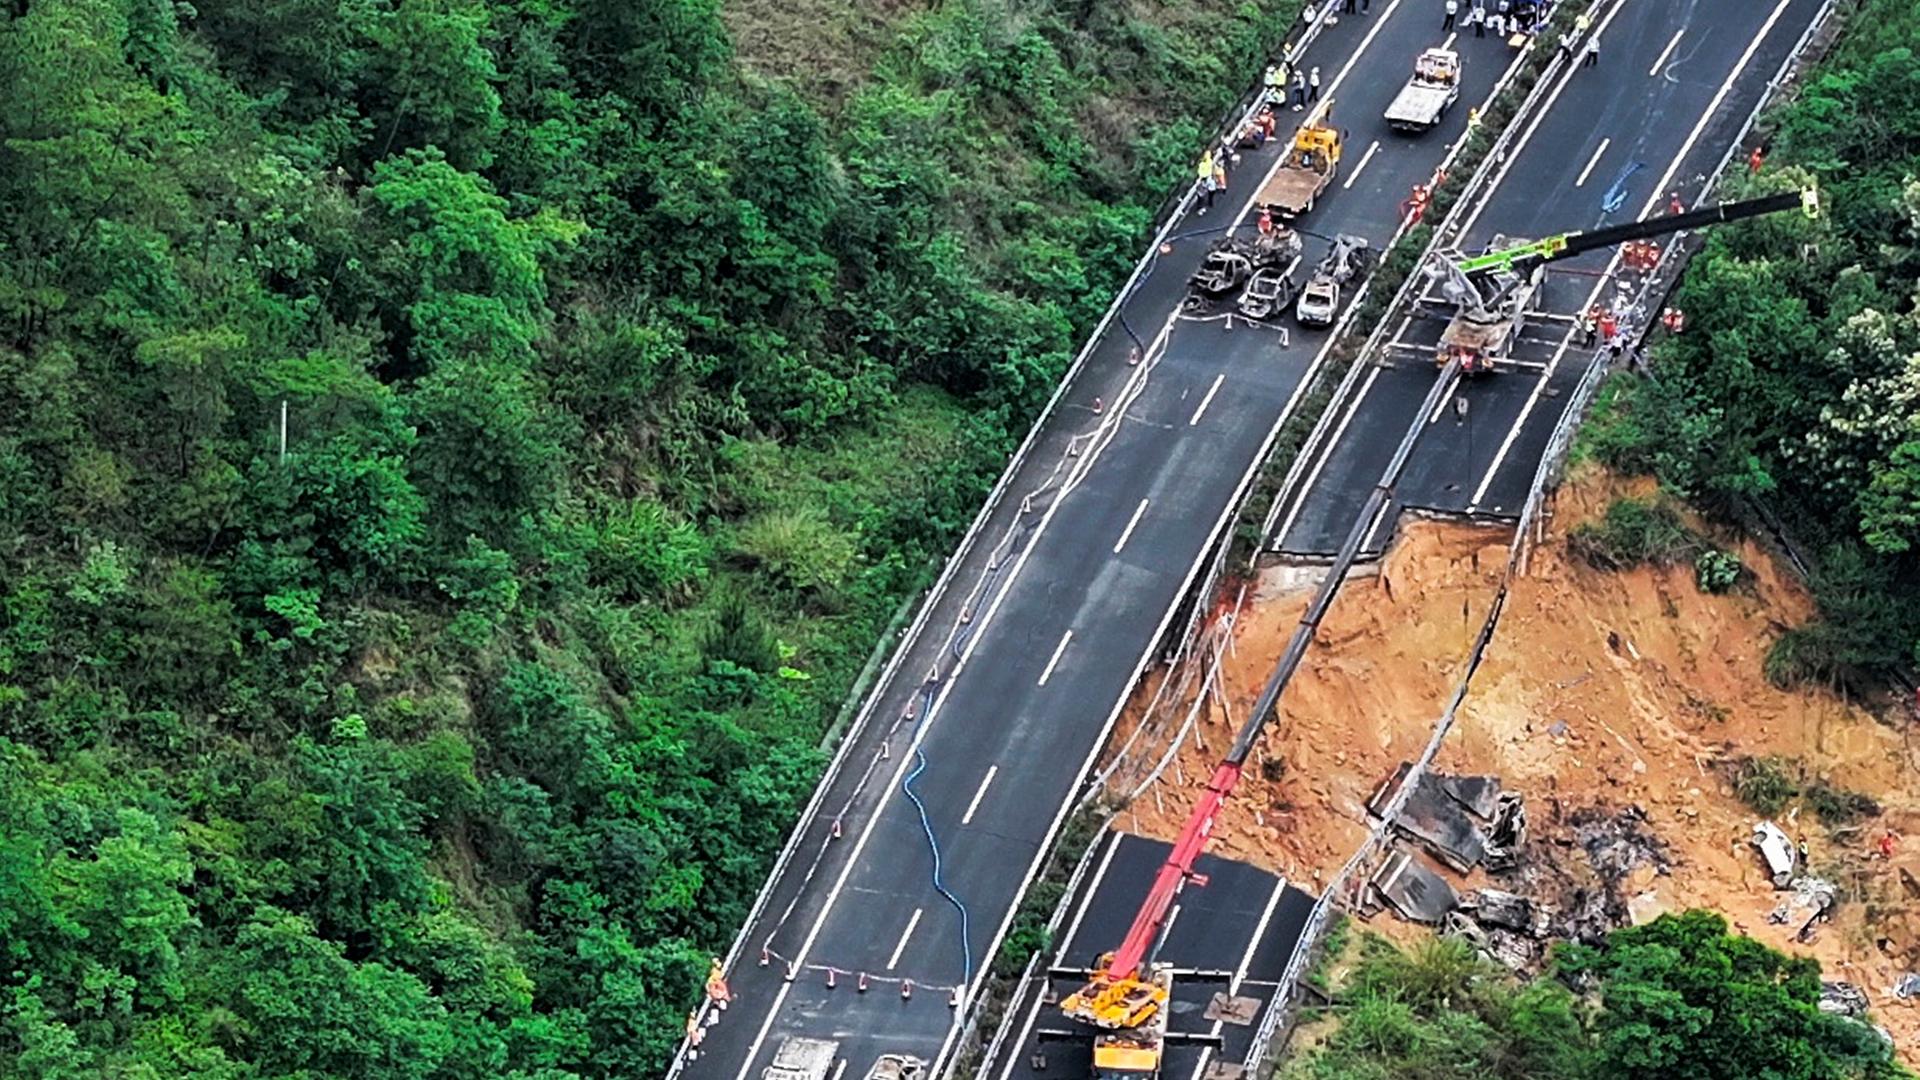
[(1434, 87)]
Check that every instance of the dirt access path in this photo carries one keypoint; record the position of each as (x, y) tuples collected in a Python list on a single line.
[(1601, 692)]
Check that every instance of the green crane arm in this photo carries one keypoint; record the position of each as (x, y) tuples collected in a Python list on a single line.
[(1568, 245)]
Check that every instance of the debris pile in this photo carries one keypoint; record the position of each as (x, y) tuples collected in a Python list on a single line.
[(1810, 902), (1469, 825)]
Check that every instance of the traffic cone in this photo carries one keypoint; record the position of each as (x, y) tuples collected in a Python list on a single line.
[(906, 989), (766, 956), (953, 999), (836, 828), (792, 970), (831, 982), (861, 986), (1097, 406)]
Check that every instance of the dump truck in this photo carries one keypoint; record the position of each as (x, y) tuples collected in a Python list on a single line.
[(1347, 261), (1313, 159), (802, 1058), (1435, 85)]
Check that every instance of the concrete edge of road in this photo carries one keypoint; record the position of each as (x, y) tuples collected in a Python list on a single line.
[(965, 547), (1316, 445), (1559, 446)]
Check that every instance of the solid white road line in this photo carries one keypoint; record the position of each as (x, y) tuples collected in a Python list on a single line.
[(1086, 901), (1208, 400), (1060, 951), (1358, 169), (1666, 52), (1713, 106), (1591, 162), (1546, 109), (1679, 159), (904, 936), (1026, 1028), (1313, 475), (978, 795), (1127, 533), (1246, 961), (906, 762), (1520, 424), (1281, 159), (1446, 398), (1057, 650)]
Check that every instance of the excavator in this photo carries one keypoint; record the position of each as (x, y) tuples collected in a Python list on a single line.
[(1127, 996), (1490, 292)]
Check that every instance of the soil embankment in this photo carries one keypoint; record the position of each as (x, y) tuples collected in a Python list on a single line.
[(1611, 700)]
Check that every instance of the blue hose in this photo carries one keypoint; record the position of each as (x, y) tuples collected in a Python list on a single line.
[(1616, 195), (933, 845)]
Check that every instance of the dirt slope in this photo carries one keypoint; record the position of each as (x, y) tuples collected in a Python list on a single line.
[(1601, 692)]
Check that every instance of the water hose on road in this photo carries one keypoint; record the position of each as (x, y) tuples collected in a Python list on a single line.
[(933, 846)]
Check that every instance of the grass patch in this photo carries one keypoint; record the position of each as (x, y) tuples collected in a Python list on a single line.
[(1838, 806), (1765, 784), (1635, 532)]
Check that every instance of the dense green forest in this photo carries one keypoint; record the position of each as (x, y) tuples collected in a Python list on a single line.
[(1677, 998), (626, 387), (1794, 391)]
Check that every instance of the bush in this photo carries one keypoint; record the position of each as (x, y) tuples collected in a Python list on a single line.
[(1716, 571), (1765, 784), (1838, 806), (1634, 532)]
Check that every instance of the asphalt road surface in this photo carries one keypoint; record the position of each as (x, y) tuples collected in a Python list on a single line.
[(1243, 921), (1675, 82), (1072, 605)]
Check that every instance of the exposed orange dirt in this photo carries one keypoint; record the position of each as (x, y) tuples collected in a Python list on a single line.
[(1601, 691)]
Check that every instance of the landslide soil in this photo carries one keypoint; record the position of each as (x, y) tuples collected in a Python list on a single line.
[(1600, 691)]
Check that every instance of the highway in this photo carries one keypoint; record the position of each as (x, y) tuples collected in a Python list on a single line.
[(1693, 73), (1245, 922), (1001, 695), (1675, 84)]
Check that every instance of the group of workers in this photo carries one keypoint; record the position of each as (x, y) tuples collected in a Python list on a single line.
[(1305, 83), (1507, 16)]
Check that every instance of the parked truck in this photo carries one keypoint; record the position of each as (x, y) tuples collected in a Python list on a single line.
[(1310, 165), (1435, 85)]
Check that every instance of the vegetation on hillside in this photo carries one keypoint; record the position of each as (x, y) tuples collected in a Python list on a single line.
[(626, 394), (1796, 384), (1678, 997)]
